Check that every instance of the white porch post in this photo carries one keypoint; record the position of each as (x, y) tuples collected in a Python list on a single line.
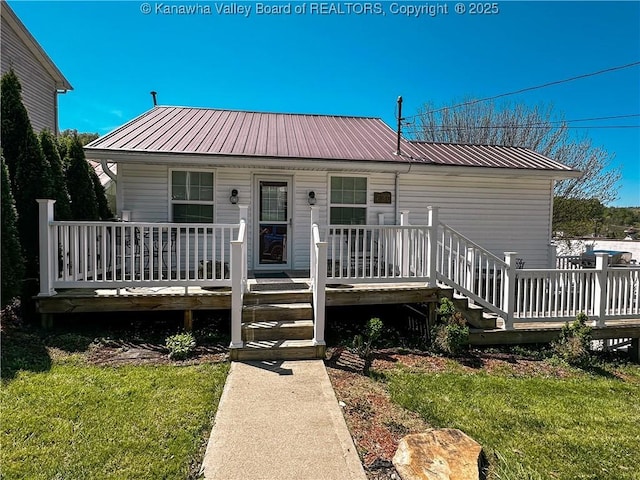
[(45, 217), (381, 219), (600, 289), (319, 295), (236, 294), (404, 243), (509, 289), (238, 278), (553, 256), (312, 248), (433, 222)]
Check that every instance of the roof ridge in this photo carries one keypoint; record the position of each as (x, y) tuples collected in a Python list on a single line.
[(269, 113), (424, 142)]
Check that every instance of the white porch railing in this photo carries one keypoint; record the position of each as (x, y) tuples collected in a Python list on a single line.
[(132, 254), (474, 271), (379, 253)]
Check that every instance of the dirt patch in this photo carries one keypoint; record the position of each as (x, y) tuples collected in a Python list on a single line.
[(115, 353)]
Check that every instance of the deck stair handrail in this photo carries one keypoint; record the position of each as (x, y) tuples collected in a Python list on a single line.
[(318, 275), (239, 275), (472, 270)]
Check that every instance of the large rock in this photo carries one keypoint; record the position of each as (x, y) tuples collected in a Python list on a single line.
[(439, 454)]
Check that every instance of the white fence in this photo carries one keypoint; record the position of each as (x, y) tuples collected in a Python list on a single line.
[(110, 254), (118, 254)]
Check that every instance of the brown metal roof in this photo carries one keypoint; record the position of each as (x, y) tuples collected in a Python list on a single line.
[(281, 135), (491, 156)]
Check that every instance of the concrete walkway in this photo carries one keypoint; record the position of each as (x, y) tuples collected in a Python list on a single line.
[(280, 421)]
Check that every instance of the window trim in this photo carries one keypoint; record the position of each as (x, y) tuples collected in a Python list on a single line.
[(331, 204), (172, 202)]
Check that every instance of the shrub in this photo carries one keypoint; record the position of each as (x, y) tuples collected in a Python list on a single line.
[(12, 260), (180, 345), (450, 334), (573, 346), (363, 344)]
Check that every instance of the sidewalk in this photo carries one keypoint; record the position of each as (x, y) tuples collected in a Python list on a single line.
[(280, 421)]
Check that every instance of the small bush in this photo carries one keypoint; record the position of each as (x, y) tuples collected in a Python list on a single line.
[(363, 344), (180, 345), (450, 335), (573, 346)]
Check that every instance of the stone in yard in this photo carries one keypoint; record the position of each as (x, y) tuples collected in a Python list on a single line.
[(439, 454)]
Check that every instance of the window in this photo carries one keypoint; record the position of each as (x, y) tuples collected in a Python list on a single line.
[(348, 199), (192, 197)]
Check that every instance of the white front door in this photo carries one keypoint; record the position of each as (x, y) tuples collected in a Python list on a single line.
[(272, 232)]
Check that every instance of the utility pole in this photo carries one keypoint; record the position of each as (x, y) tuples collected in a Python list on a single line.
[(398, 152)]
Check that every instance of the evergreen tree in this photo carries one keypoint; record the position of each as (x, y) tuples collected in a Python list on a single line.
[(12, 260), (15, 121), (29, 170), (50, 148), (84, 204), (103, 205)]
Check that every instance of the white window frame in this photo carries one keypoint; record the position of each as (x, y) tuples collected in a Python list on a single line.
[(331, 204), (172, 202)]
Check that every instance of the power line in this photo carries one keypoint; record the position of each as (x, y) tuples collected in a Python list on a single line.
[(522, 90)]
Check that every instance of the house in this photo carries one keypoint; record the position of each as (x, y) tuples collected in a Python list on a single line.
[(207, 196), (41, 80), (184, 164)]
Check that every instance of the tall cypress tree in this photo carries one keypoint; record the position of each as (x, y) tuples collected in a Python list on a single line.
[(29, 169), (50, 149), (12, 260), (15, 121), (84, 204), (101, 197)]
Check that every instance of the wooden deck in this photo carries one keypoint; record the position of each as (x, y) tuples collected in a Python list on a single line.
[(83, 300)]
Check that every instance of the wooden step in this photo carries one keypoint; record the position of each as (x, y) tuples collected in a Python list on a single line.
[(276, 330), (278, 350), (286, 296), (277, 312)]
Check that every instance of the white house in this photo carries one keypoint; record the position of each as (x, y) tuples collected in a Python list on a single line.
[(41, 80), (209, 195), (177, 164)]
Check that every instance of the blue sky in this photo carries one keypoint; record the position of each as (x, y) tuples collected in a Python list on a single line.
[(354, 64)]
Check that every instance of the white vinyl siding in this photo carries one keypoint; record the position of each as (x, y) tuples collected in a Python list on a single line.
[(38, 87), (500, 213)]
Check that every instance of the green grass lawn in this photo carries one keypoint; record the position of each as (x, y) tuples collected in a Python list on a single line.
[(586, 426), (64, 418)]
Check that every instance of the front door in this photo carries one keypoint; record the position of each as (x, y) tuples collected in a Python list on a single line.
[(274, 220)]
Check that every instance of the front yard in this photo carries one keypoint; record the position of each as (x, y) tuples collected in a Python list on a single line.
[(68, 413), (535, 418)]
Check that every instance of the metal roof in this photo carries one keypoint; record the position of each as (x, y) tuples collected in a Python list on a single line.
[(492, 156), (185, 130)]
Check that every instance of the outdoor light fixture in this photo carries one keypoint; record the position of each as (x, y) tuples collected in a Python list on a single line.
[(312, 198), (234, 196)]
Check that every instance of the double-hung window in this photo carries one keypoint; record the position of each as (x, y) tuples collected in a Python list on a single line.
[(191, 196), (348, 200)]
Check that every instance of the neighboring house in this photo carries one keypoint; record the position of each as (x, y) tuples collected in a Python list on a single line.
[(41, 80), (178, 164)]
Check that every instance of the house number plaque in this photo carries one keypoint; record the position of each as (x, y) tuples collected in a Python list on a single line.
[(381, 197)]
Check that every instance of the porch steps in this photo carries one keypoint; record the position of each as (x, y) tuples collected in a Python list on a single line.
[(474, 314), (277, 325)]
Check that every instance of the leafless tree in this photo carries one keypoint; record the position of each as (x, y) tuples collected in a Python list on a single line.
[(516, 124)]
